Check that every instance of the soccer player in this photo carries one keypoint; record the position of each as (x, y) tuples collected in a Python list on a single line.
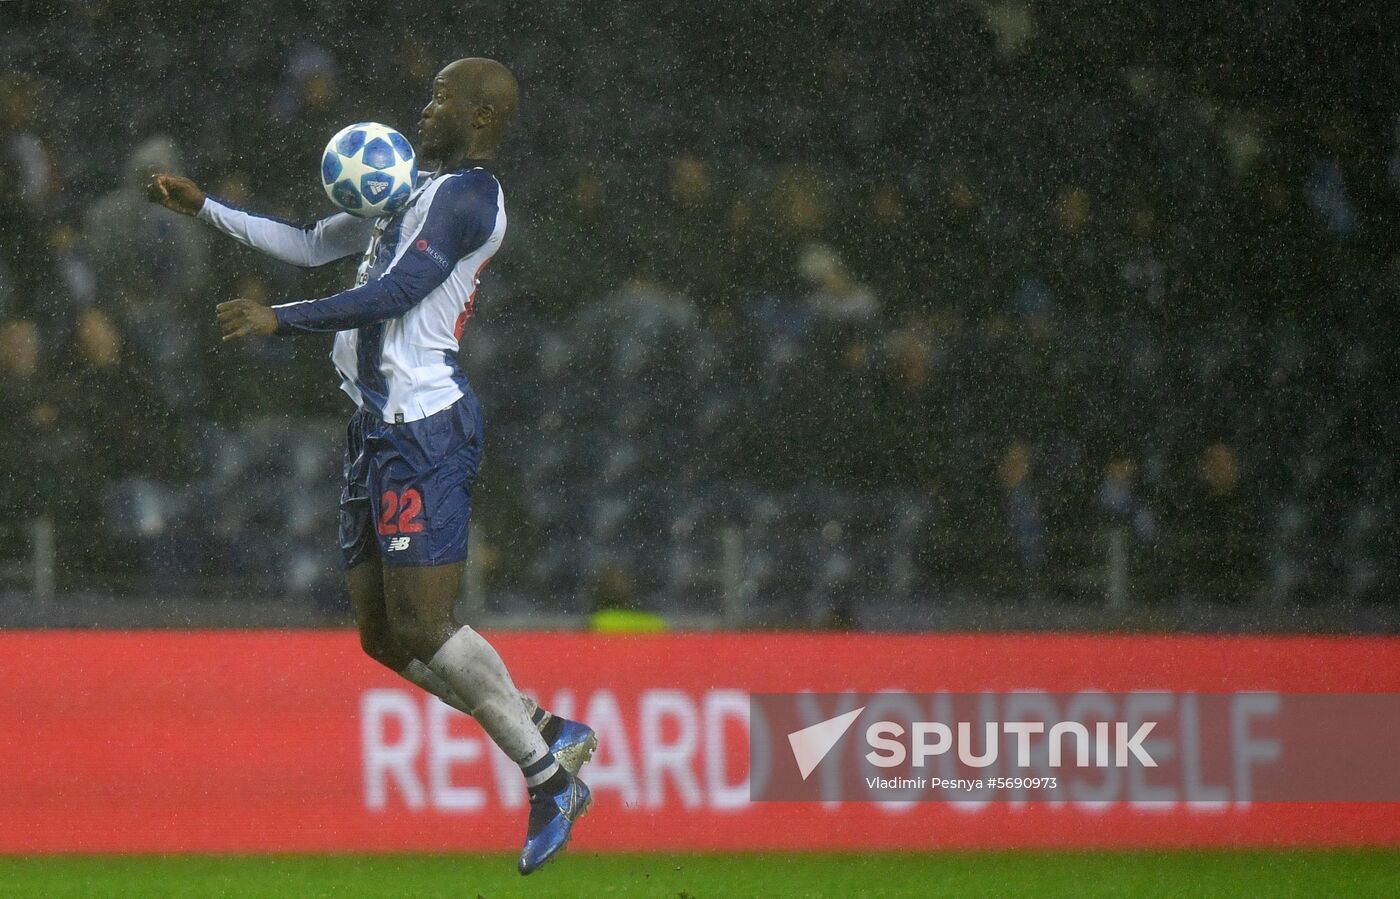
[(414, 444)]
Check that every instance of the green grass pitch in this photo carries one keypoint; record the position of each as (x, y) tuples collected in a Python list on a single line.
[(962, 874)]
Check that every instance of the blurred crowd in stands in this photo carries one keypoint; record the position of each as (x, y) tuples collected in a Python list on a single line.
[(821, 306)]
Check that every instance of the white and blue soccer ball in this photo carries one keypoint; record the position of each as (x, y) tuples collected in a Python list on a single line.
[(368, 170)]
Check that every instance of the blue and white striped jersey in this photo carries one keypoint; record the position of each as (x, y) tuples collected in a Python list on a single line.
[(397, 330)]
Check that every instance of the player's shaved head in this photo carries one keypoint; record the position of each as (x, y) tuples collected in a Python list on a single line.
[(486, 83), (472, 105)]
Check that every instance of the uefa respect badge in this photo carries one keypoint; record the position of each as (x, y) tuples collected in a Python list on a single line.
[(1088, 747)]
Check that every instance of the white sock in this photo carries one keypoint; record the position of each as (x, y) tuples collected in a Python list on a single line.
[(476, 674), (418, 673), (421, 675), (538, 713)]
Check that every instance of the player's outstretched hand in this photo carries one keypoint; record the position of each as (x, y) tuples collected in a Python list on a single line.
[(240, 318), (175, 192)]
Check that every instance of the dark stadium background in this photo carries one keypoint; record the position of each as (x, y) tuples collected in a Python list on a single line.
[(1015, 348), (811, 314)]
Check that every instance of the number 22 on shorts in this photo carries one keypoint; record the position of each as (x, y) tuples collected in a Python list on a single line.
[(398, 512)]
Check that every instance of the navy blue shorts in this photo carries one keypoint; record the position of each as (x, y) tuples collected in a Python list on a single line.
[(408, 487)]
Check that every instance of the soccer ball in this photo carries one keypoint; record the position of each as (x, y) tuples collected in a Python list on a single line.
[(368, 170)]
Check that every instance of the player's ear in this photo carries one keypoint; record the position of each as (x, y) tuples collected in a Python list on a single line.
[(483, 115)]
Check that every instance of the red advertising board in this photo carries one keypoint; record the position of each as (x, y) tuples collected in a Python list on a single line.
[(238, 741)]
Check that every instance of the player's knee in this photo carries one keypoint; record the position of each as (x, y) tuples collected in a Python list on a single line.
[(419, 639), (381, 647)]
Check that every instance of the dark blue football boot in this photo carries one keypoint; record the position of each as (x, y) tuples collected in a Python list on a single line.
[(574, 746), (552, 819)]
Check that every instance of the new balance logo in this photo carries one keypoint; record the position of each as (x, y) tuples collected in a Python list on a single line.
[(398, 543)]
